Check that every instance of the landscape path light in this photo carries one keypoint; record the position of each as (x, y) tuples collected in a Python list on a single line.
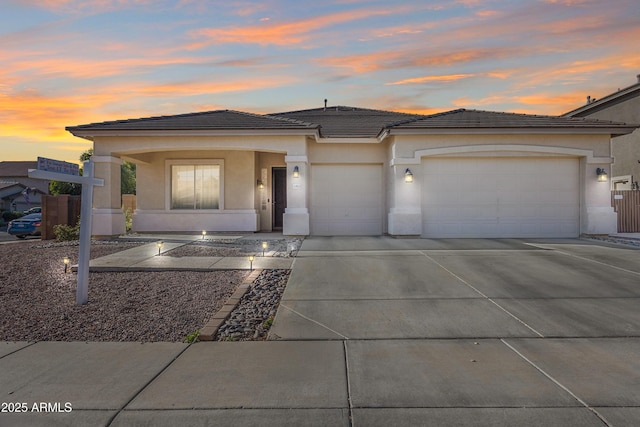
[(264, 247), (66, 261), (204, 233), (251, 258), (159, 244)]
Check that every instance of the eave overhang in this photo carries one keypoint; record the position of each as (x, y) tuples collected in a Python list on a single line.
[(90, 134), (613, 131)]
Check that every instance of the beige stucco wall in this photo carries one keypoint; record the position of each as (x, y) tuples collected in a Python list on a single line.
[(138, 147), (626, 148), (407, 145), (346, 153)]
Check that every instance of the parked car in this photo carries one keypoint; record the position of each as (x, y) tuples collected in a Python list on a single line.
[(36, 209), (28, 225)]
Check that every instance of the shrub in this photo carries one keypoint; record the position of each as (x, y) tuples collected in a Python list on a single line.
[(65, 232), (128, 222), (9, 216)]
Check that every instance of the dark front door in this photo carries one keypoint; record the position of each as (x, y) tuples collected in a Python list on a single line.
[(279, 180)]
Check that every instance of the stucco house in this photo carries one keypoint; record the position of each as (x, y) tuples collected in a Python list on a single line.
[(17, 191), (621, 106), (354, 171)]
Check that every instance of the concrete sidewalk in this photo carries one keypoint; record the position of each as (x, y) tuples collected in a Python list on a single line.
[(376, 332)]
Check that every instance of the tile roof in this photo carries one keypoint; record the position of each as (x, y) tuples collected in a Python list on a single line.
[(343, 121), (351, 122), (477, 119), (8, 168), (211, 120)]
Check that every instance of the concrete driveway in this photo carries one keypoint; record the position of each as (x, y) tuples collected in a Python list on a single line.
[(483, 332)]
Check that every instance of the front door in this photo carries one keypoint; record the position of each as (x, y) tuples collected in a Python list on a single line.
[(279, 180)]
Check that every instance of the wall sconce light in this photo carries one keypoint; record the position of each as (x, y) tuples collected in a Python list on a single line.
[(264, 247), (408, 176), (66, 261), (260, 184), (159, 245), (296, 172), (204, 233), (251, 258), (602, 175)]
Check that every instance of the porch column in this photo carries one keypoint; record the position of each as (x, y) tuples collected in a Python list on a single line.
[(405, 213), (296, 214), (108, 218)]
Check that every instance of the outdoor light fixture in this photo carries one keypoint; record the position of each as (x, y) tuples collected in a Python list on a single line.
[(159, 245), (296, 172), (408, 176), (264, 247), (260, 184), (66, 264), (602, 175), (251, 258), (204, 233)]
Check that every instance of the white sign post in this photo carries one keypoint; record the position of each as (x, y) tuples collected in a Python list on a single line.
[(88, 182)]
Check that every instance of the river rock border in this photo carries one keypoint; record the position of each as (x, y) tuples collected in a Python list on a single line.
[(249, 313), (208, 332)]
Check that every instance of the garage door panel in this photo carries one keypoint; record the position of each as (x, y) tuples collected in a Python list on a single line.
[(501, 197), (346, 200)]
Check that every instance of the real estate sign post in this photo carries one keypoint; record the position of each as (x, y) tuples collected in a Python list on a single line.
[(88, 182)]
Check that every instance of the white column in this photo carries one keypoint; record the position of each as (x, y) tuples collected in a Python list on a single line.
[(296, 214), (108, 218)]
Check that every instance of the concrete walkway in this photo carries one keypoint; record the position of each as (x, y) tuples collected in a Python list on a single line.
[(376, 332), (151, 258)]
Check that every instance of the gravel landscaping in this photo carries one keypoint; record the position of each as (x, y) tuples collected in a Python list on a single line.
[(37, 299)]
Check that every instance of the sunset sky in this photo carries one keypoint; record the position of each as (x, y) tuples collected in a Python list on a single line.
[(70, 62)]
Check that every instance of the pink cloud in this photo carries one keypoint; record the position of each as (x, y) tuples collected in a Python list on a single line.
[(92, 6), (288, 33)]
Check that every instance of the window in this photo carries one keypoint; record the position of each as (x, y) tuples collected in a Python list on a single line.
[(195, 186)]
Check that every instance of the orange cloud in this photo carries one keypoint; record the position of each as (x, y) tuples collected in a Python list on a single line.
[(429, 79), (82, 68), (543, 102), (394, 59), (30, 115), (279, 34)]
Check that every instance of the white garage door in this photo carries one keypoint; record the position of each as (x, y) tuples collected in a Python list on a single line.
[(346, 200), (501, 197)]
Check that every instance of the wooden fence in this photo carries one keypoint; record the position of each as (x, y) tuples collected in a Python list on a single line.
[(63, 209), (128, 202), (626, 203)]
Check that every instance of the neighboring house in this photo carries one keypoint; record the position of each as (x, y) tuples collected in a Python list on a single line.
[(354, 171), (17, 191), (621, 106)]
